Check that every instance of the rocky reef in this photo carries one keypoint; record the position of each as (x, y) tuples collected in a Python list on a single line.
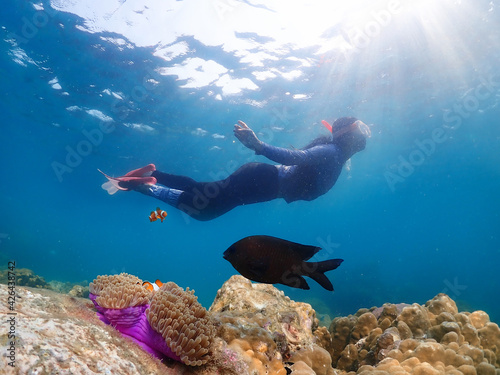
[(80, 289), (433, 339), (53, 333), (269, 332), (256, 330), (25, 277)]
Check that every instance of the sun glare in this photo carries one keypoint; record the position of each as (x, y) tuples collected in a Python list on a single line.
[(415, 34), (422, 6)]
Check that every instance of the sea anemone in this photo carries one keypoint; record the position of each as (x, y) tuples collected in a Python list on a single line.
[(168, 323), (105, 281), (182, 321), (119, 299)]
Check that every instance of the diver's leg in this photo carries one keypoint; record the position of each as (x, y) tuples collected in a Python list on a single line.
[(251, 183), (163, 193), (174, 181), (168, 187)]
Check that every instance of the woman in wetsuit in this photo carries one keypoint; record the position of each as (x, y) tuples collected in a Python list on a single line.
[(303, 174)]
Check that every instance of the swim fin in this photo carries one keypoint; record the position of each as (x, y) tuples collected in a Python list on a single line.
[(125, 183), (140, 172)]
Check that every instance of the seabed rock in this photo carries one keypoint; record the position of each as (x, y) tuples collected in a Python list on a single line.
[(25, 277), (268, 330), (58, 334)]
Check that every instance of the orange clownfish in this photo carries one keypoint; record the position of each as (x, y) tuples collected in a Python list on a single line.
[(152, 287), (158, 214)]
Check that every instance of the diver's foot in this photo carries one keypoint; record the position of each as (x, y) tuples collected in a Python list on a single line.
[(144, 189), (142, 172)]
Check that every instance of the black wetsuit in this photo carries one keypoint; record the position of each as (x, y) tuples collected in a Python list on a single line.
[(300, 175)]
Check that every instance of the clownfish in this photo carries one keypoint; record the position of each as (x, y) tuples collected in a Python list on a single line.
[(152, 287), (158, 214)]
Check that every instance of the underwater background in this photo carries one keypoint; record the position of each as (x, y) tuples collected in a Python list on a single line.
[(121, 84)]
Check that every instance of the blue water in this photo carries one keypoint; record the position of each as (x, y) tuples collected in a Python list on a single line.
[(417, 213)]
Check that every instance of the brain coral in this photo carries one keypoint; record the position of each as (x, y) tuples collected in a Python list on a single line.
[(183, 323), (434, 339)]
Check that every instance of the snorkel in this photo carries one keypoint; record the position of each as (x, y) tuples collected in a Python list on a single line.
[(326, 125)]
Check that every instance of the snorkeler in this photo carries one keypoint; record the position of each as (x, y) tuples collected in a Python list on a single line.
[(303, 174)]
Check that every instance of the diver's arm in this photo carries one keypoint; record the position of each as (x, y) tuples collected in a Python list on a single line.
[(247, 136), (281, 155), (313, 155)]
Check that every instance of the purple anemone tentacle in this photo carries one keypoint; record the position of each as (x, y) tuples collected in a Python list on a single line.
[(132, 322), (99, 309)]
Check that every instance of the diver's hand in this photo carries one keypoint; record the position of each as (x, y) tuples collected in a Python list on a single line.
[(246, 136)]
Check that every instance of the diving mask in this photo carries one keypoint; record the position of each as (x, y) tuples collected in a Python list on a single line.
[(363, 129)]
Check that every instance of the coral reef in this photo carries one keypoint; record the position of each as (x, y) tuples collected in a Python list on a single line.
[(269, 307), (250, 329), (79, 289), (25, 277), (267, 329), (167, 323), (412, 339)]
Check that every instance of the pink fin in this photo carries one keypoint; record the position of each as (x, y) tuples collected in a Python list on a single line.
[(326, 125), (129, 182), (141, 171), (110, 187), (113, 185)]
